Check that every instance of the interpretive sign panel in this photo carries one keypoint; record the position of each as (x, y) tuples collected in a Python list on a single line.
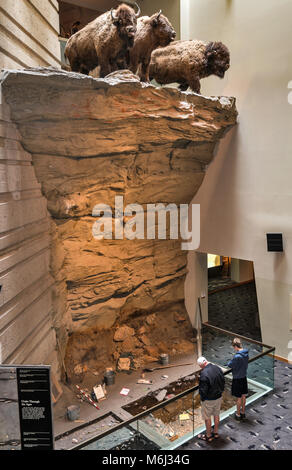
[(26, 408), (35, 409)]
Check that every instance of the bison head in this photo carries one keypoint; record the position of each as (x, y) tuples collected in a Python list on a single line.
[(218, 59), (125, 19), (163, 29)]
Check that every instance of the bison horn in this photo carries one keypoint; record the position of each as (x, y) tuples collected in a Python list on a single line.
[(139, 10), (158, 14), (114, 18)]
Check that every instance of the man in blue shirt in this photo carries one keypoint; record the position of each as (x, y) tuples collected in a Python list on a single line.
[(239, 365)]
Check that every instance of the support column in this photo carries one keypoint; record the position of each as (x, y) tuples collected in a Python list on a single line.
[(241, 270)]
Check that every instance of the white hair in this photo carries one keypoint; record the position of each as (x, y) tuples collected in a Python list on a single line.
[(201, 360)]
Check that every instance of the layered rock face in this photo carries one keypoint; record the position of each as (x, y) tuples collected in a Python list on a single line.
[(92, 140)]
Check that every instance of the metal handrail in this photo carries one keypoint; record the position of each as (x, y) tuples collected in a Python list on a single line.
[(235, 335), (170, 400)]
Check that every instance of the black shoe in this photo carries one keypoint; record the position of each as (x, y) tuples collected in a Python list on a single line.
[(238, 418), (242, 415)]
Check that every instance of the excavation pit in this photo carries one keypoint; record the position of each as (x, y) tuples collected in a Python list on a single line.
[(181, 416), (150, 400)]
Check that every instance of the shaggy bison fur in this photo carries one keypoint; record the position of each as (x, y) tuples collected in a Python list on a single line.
[(100, 42), (186, 62), (152, 32)]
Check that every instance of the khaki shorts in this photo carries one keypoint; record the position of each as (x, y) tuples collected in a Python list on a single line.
[(211, 408)]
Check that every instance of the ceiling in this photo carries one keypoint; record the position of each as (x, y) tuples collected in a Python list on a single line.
[(99, 5)]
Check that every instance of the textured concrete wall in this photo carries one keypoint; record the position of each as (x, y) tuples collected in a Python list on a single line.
[(241, 270), (26, 334), (29, 32), (28, 37)]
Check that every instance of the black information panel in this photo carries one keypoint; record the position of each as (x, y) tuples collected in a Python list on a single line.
[(35, 408)]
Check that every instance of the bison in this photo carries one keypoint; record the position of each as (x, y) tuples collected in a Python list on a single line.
[(100, 42), (152, 32), (186, 62)]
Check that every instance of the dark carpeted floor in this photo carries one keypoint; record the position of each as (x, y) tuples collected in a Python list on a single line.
[(215, 283), (236, 310)]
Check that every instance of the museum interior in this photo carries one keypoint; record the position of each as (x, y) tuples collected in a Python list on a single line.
[(145, 222)]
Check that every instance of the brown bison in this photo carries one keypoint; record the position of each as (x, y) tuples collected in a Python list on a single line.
[(152, 32), (186, 62), (102, 40)]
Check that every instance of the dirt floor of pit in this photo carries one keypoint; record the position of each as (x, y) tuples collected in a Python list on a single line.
[(114, 402)]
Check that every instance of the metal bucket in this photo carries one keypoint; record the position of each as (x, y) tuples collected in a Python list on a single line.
[(109, 377), (164, 359)]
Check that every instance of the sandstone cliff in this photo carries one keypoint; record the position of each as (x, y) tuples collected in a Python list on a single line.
[(91, 140)]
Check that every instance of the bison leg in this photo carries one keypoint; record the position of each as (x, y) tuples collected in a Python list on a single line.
[(184, 86), (120, 64), (105, 69), (84, 70), (195, 85), (78, 67), (113, 65), (75, 66), (144, 76), (124, 62), (127, 59)]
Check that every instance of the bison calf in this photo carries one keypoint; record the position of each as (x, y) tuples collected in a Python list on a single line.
[(152, 32), (101, 41), (186, 62)]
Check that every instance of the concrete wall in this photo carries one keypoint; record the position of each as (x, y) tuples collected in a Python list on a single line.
[(170, 8), (196, 286), (29, 32), (247, 189), (26, 333), (28, 37), (241, 270)]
